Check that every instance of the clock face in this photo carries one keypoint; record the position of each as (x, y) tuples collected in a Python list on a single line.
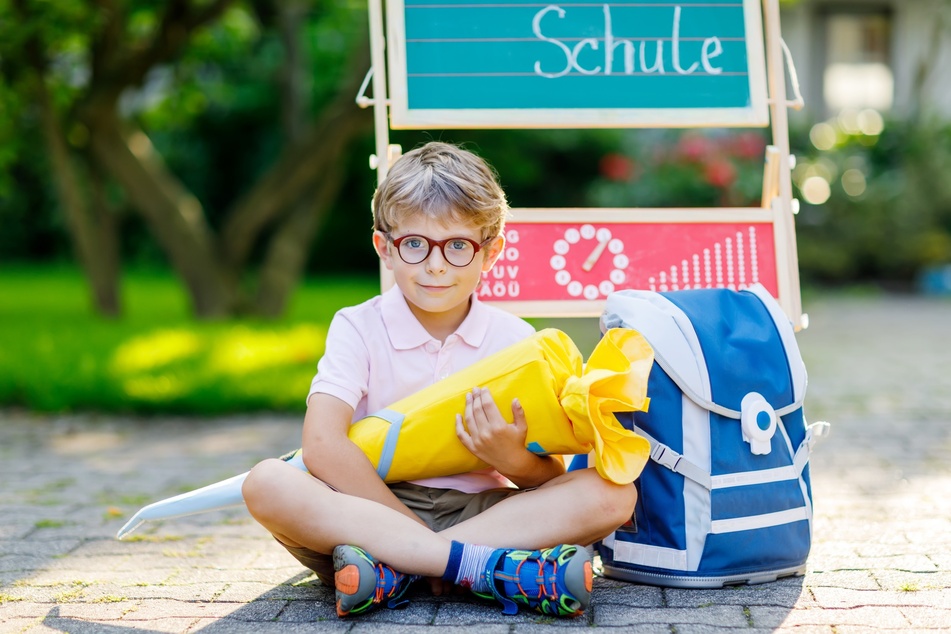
[(589, 262)]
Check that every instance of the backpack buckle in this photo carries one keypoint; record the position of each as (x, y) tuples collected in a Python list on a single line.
[(664, 455)]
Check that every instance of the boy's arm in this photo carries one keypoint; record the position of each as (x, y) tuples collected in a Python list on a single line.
[(486, 434), (333, 458)]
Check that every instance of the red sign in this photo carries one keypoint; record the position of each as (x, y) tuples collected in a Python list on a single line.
[(577, 261)]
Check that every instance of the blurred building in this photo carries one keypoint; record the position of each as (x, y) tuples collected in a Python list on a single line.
[(889, 55)]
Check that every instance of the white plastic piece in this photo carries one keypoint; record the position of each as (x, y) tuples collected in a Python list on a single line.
[(758, 422)]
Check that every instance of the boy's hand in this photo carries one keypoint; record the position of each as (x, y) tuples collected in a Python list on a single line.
[(489, 437)]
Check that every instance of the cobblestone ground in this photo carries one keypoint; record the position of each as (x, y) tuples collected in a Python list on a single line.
[(880, 371)]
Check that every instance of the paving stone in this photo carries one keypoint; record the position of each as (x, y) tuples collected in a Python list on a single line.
[(880, 559), (777, 594), (853, 579), (871, 617), (929, 617), (845, 598), (715, 615)]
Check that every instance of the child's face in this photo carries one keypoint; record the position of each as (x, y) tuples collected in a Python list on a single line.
[(434, 286)]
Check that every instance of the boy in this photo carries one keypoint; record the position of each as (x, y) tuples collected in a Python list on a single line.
[(506, 532)]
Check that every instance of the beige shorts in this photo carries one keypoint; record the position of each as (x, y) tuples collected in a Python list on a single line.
[(439, 508)]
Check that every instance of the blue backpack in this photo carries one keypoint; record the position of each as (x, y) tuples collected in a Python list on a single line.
[(726, 496)]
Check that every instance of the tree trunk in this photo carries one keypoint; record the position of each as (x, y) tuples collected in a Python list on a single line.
[(303, 164), (287, 251), (175, 217), (93, 230), (106, 227)]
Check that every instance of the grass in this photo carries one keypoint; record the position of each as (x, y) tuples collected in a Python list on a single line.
[(56, 355)]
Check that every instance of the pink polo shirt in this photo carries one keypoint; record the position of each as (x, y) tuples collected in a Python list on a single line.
[(377, 353)]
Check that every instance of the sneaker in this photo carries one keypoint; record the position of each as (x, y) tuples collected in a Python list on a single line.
[(363, 583), (554, 581)]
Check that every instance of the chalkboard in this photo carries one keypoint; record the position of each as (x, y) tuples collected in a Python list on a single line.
[(566, 262), (518, 64)]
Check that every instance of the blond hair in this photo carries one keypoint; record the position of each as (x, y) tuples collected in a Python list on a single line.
[(445, 183)]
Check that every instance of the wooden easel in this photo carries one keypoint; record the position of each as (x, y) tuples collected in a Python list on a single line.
[(777, 204)]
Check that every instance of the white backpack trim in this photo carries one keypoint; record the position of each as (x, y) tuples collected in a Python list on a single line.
[(655, 556), (766, 520)]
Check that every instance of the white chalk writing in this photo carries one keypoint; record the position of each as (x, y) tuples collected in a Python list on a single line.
[(632, 50)]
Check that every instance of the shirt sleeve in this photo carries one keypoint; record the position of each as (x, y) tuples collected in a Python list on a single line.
[(344, 370)]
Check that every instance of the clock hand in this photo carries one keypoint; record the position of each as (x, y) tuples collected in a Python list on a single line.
[(595, 255)]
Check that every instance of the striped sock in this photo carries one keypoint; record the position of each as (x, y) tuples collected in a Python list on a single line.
[(472, 565)]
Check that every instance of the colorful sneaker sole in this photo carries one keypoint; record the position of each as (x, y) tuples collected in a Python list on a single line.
[(354, 579)]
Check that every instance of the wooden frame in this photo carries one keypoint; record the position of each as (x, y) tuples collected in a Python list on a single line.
[(402, 116)]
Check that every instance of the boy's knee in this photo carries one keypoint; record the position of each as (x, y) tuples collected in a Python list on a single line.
[(258, 486), (617, 502)]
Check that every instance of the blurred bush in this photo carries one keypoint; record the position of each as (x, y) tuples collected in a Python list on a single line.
[(673, 168), (875, 194), (876, 198)]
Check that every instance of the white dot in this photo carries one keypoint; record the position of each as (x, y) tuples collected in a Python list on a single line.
[(575, 288), (562, 277), (587, 231), (561, 247), (591, 291), (621, 261), (618, 276), (615, 246), (572, 235), (853, 182), (603, 234), (557, 262), (816, 190), (606, 287)]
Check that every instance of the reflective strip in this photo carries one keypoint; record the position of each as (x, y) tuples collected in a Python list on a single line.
[(653, 556), (697, 498), (395, 419), (797, 369), (746, 478), (759, 521)]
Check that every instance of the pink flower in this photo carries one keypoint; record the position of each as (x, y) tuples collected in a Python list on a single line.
[(749, 145), (694, 148), (616, 167), (720, 173)]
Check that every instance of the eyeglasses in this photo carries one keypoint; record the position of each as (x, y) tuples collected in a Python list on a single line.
[(458, 252)]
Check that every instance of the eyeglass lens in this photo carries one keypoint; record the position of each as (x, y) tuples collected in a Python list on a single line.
[(457, 251)]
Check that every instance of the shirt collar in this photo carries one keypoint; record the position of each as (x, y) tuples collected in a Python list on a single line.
[(405, 331)]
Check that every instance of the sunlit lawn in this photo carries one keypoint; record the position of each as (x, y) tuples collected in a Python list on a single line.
[(56, 355)]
